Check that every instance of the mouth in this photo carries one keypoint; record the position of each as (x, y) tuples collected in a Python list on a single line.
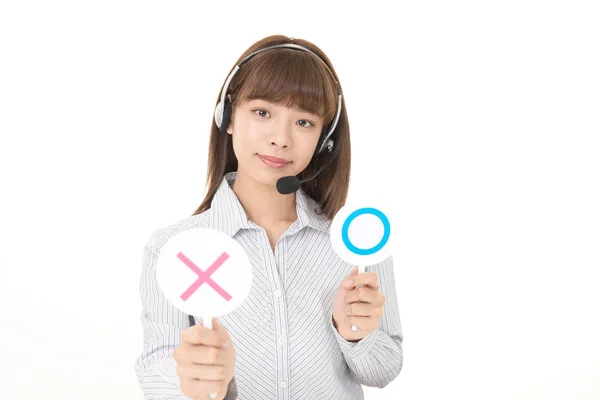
[(274, 162)]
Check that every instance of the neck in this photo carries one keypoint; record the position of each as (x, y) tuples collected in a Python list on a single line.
[(263, 204)]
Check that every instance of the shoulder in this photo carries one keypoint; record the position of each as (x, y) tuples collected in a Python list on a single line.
[(161, 235)]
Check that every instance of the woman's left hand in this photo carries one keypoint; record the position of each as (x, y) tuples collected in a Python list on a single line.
[(359, 306)]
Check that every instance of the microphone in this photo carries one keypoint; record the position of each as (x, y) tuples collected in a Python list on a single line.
[(289, 184)]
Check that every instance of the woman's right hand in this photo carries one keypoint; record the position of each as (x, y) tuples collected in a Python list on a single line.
[(205, 361)]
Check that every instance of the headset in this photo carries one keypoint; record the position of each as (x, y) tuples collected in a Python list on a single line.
[(223, 108)]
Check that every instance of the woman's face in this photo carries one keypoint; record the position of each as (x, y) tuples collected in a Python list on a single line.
[(271, 141)]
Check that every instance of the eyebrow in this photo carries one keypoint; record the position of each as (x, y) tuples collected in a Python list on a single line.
[(296, 108)]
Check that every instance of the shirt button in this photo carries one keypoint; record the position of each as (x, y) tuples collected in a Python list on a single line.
[(281, 339), (278, 293), (283, 384)]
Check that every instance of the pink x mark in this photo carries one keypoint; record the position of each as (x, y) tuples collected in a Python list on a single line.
[(204, 276)]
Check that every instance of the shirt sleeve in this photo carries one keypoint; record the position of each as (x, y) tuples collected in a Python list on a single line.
[(377, 358), (162, 324)]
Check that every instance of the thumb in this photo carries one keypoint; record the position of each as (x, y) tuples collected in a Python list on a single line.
[(346, 282), (217, 326)]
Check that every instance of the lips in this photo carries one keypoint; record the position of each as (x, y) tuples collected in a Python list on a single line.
[(274, 159), (274, 162)]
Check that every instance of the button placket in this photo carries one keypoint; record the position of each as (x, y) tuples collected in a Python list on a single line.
[(281, 323)]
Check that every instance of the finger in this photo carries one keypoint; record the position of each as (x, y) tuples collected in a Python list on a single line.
[(365, 294), (363, 323), (364, 310), (366, 279), (202, 372), (199, 354), (198, 334)]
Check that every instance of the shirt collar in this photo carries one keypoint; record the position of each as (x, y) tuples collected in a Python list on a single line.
[(228, 215)]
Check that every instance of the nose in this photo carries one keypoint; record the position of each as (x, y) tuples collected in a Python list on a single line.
[(281, 134)]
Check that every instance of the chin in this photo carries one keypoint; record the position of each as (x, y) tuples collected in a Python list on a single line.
[(263, 176)]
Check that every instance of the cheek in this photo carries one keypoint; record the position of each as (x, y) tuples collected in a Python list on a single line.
[(240, 149), (247, 137), (310, 146), (304, 155), (242, 143), (307, 154)]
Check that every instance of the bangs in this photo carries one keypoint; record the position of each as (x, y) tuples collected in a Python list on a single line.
[(291, 78)]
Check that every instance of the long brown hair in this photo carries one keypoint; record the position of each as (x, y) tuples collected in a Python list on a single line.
[(291, 78)]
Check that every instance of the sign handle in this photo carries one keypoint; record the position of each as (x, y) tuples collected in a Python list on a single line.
[(361, 269), (207, 323)]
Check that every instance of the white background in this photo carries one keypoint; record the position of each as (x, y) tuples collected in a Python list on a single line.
[(477, 122)]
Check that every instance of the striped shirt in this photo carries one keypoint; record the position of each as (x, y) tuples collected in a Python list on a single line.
[(286, 345)]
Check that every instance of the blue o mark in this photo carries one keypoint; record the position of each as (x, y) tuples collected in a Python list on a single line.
[(382, 242)]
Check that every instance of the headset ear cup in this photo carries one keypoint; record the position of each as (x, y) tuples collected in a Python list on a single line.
[(226, 116), (218, 115)]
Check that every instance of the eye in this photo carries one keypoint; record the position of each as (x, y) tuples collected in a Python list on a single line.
[(259, 110), (308, 122)]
